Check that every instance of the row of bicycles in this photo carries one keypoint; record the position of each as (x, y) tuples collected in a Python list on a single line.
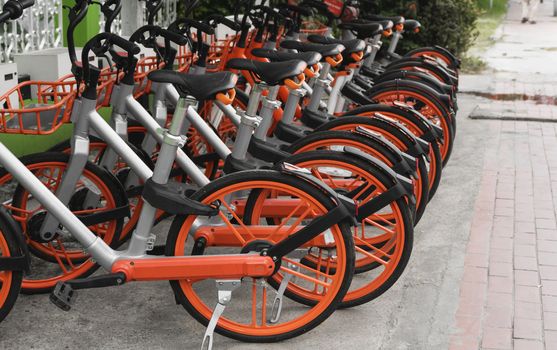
[(294, 157)]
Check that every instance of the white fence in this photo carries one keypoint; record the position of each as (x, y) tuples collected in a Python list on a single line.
[(41, 27)]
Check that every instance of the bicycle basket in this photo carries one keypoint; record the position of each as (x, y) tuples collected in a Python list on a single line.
[(41, 115), (144, 67)]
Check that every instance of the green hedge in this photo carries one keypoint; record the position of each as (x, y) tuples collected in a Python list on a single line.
[(449, 23)]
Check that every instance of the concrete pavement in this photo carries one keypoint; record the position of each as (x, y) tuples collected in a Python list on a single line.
[(465, 286)]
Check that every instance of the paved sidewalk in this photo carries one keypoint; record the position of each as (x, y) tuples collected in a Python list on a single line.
[(508, 293), (522, 77), (483, 272)]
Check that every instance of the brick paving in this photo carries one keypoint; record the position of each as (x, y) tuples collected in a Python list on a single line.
[(516, 110), (508, 293)]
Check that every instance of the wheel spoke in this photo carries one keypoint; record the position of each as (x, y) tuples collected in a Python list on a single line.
[(373, 223), (286, 219), (369, 254), (229, 224), (305, 277), (307, 268), (58, 260)]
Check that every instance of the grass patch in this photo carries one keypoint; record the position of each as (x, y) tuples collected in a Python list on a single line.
[(473, 64), (487, 24)]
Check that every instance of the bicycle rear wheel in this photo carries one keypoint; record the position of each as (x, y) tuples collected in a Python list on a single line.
[(251, 318), (383, 240)]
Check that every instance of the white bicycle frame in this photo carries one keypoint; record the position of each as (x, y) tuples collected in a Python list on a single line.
[(94, 245)]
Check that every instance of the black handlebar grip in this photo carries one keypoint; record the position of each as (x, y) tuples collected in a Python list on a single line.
[(155, 31), (15, 7), (304, 11), (26, 3), (235, 26), (321, 7), (190, 23), (127, 45), (97, 43), (172, 36)]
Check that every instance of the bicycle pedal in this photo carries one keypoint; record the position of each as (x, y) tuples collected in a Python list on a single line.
[(63, 296)]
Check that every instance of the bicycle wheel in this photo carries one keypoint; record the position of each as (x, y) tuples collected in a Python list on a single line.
[(62, 258), (383, 240), (411, 94), (10, 281), (97, 148), (399, 138), (246, 320), (432, 68), (333, 140), (438, 53), (419, 126)]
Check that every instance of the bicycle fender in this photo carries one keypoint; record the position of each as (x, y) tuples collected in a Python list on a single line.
[(304, 174)]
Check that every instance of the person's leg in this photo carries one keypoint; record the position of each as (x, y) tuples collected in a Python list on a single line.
[(525, 9), (533, 9)]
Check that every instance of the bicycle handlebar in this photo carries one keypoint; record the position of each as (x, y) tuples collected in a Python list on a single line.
[(100, 44), (321, 7), (183, 26), (219, 19), (13, 9), (154, 31), (153, 7), (76, 15), (110, 9)]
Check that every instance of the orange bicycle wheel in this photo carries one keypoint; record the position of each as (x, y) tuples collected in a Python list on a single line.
[(383, 240), (62, 258), (10, 281), (329, 142), (427, 108), (251, 318)]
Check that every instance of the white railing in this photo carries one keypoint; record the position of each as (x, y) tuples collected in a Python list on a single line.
[(40, 28), (166, 16), (167, 13)]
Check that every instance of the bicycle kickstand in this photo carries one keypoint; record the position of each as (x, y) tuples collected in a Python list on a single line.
[(225, 289), (277, 303)]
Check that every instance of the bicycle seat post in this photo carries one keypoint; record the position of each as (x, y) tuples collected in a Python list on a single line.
[(172, 140), (291, 105), (249, 122), (375, 47), (321, 84), (269, 105)]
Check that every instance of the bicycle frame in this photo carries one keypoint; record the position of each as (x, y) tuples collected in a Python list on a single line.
[(133, 261), (126, 106)]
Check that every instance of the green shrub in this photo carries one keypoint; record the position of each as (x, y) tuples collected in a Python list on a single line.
[(448, 23)]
